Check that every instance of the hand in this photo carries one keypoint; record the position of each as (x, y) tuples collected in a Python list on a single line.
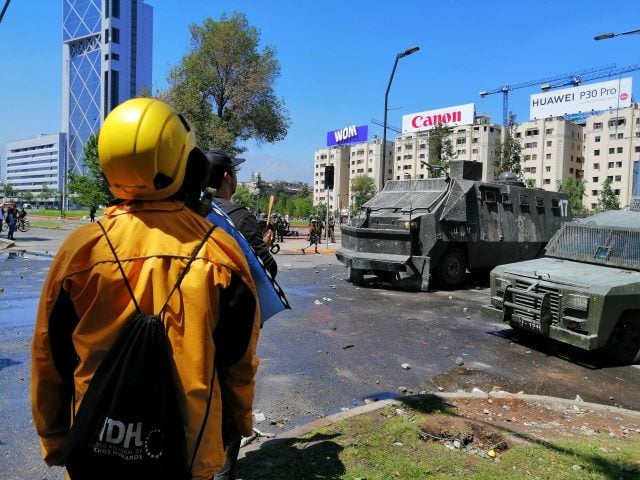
[(267, 237)]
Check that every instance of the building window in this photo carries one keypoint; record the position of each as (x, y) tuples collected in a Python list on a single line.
[(474, 151), (617, 122), (619, 150), (548, 156), (461, 141), (115, 35), (549, 131), (597, 125), (595, 179), (547, 169), (115, 8), (596, 153), (531, 145), (549, 143), (610, 165), (612, 151), (596, 166), (617, 178), (571, 170), (619, 164), (547, 181), (597, 139), (594, 193)]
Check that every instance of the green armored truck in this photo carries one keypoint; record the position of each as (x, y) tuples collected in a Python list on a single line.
[(413, 230), (585, 292)]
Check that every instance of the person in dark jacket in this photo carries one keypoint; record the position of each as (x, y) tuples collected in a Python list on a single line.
[(12, 220), (222, 177)]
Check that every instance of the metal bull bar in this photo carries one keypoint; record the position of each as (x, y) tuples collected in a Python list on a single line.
[(539, 308)]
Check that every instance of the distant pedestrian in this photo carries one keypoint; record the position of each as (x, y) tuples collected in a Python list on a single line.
[(92, 213), (314, 236), (12, 220), (1, 215)]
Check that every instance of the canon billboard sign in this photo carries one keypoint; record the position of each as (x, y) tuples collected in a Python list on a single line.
[(582, 99), (450, 117)]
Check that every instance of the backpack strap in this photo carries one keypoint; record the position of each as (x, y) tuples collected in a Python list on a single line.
[(178, 281)]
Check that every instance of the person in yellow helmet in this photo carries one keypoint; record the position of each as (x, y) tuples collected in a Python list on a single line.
[(148, 154)]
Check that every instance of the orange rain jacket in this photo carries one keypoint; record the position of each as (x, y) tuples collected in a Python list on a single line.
[(85, 304)]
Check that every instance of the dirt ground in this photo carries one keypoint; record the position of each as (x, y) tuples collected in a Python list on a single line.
[(480, 424)]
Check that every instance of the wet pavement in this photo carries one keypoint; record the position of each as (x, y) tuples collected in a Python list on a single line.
[(339, 346)]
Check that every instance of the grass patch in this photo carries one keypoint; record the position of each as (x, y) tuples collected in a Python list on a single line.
[(388, 444)]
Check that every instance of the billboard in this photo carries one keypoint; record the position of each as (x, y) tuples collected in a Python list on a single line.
[(347, 135), (585, 98), (450, 117)]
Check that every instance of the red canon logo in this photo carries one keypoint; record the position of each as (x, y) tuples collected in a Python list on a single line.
[(623, 96), (433, 120)]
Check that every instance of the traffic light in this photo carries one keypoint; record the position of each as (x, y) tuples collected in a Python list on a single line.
[(328, 177)]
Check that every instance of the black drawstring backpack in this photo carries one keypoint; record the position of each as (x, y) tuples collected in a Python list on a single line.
[(129, 425)]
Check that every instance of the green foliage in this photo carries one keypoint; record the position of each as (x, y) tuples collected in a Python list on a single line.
[(362, 189), (7, 190), (507, 153), (530, 182), (440, 149), (243, 197), (47, 193), (90, 189), (575, 189), (225, 86), (607, 200)]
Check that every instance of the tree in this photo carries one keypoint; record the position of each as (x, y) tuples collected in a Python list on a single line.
[(507, 153), (90, 189), (46, 193), (362, 189), (7, 190), (607, 200), (243, 196), (574, 188), (225, 86), (440, 149)]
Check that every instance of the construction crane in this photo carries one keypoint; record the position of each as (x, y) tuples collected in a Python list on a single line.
[(592, 76), (505, 89)]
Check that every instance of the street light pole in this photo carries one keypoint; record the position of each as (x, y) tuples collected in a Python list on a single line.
[(386, 100), (605, 36)]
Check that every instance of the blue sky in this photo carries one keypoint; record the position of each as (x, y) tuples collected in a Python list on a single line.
[(336, 58)]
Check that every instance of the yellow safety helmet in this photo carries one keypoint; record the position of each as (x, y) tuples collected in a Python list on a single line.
[(143, 149)]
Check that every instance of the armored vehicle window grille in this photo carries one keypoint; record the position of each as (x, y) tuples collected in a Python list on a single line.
[(524, 300), (506, 198), (605, 245)]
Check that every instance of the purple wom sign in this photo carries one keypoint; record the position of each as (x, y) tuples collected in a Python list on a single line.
[(346, 135)]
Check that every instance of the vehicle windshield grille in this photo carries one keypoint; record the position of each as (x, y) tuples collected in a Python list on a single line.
[(604, 245)]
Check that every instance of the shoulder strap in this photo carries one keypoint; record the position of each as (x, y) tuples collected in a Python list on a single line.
[(178, 281)]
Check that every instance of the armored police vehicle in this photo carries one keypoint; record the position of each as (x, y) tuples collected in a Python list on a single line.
[(585, 292), (442, 227)]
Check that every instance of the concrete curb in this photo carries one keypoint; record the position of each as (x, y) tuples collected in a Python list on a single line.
[(447, 397)]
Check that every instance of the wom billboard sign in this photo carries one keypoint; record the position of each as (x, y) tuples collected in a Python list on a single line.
[(450, 117), (582, 99), (347, 135)]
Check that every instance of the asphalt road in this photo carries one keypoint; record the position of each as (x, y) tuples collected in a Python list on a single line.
[(338, 347)]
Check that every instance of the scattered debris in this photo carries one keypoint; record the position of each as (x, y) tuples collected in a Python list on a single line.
[(318, 302), (259, 417), (347, 346), (459, 361), (406, 366)]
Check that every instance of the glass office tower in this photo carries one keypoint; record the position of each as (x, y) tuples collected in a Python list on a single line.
[(106, 55)]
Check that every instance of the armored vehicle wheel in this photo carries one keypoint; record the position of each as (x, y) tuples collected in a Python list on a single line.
[(451, 269), (356, 275), (624, 343)]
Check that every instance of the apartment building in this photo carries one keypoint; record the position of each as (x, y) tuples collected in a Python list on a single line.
[(470, 142), (552, 149), (35, 162), (349, 161), (611, 149)]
